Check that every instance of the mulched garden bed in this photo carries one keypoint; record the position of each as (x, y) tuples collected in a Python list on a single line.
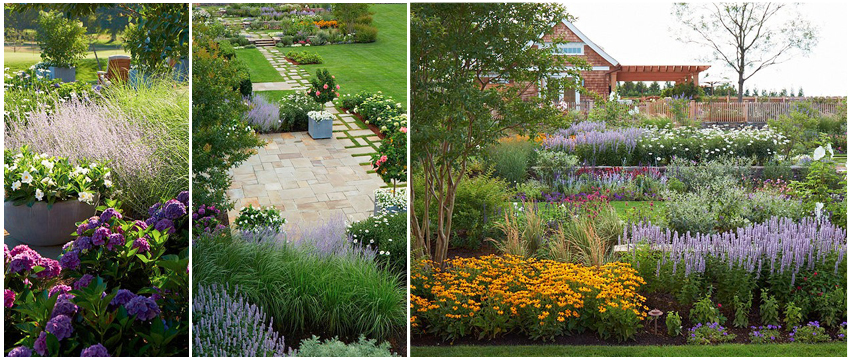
[(645, 336)]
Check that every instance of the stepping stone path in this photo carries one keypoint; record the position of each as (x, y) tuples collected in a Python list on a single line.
[(295, 78)]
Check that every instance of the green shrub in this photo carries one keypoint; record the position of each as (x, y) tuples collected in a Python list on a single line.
[(552, 164), (705, 312), (674, 324), (742, 311), (708, 334), (313, 347), (793, 316), (226, 50), (286, 40), (686, 89), (294, 109), (365, 33), (303, 57), (351, 101), (769, 309), (220, 140), (250, 46), (810, 334), (386, 234), (62, 40)]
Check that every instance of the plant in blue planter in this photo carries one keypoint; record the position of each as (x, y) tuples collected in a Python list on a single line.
[(320, 125)]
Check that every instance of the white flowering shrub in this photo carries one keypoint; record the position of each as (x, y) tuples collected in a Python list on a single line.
[(29, 177), (259, 219), (391, 198), (386, 234)]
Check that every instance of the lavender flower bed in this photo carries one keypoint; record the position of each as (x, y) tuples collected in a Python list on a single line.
[(262, 115), (227, 325), (780, 245)]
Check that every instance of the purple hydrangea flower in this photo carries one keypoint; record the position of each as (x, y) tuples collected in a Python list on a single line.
[(23, 262), (108, 214), (70, 260), (143, 307), (122, 298), (83, 282), (164, 225), (93, 223), (58, 289), (174, 209), (20, 351), (6, 255), (60, 326), (142, 244), (8, 298), (139, 225), (183, 197), (83, 243), (96, 350), (99, 237), (40, 345), (64, 306), (68, 245), (20, 249), (82, 228), (153, 209), (115, 240), (52, 268)]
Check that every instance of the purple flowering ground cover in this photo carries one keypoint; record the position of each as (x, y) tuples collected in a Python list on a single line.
[(119, 289)]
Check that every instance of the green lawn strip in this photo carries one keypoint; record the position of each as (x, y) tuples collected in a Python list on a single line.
[(275, 96), (86, 68), (378, 66), (832, 349), (622, 206), (258, 67)]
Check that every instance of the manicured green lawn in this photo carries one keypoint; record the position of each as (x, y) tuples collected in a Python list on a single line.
[(86, 68), (258, 67), (833, 349), (378, 66), (275, 95), (621, 206)]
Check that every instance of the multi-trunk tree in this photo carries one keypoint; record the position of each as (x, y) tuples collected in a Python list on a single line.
[(472, 65)]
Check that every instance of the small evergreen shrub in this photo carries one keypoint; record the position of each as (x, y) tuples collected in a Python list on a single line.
[(313, 347)]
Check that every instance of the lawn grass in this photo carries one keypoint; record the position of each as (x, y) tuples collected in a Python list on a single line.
[(86, 68), (259, 68), (622, 206), (274, 96), (832, 349), (378, 66)]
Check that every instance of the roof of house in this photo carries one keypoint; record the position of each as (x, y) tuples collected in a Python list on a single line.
[(590, 43)]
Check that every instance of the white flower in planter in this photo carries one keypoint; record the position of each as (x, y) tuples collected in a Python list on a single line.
[(26, 177), (39, 195), (86, 197), (16, 185)]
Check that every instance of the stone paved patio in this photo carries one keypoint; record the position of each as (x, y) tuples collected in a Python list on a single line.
[(295, 78), (306, 179)]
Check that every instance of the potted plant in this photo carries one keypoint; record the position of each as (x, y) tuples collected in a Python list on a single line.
[(320, 125), (47, 195), (323, 87), (62, 43), (390, 200)]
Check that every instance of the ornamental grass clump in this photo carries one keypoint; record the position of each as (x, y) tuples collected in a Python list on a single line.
[(491, 296), (311, 281), (225, 325)]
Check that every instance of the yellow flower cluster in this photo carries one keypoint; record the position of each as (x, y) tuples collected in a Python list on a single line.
[(496, 294)]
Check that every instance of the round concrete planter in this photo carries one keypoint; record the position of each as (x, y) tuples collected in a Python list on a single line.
[(40, 226)]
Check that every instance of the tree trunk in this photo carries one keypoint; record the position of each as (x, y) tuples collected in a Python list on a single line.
[(740, 87)]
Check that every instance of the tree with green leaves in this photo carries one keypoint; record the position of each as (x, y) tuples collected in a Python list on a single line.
[(748, 37), (348, 13), (471, 66), (62, 40)]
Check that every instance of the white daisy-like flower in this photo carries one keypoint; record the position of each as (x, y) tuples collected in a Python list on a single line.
[(16, 185), (107, 183), (39, 194), (26, 177), (86, 197)]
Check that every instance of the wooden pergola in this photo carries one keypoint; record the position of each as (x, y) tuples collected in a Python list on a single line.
[(676, 73)]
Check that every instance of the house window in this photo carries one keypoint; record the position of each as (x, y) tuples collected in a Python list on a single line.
[(569, 49)]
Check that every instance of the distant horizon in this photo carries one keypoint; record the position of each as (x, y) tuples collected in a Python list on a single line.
[(639, 34)]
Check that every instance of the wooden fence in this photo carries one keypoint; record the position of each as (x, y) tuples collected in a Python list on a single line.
[(732, 112)]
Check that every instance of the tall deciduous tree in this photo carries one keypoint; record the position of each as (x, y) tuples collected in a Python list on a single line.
[(471, 66), (748, 37)]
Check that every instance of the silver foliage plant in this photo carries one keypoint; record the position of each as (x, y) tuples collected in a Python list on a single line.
[(227, 325)]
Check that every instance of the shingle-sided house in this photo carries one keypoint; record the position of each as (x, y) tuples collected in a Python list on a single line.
[(606, 71)]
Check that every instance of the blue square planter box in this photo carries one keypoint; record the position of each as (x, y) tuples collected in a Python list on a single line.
[(320, 129)]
